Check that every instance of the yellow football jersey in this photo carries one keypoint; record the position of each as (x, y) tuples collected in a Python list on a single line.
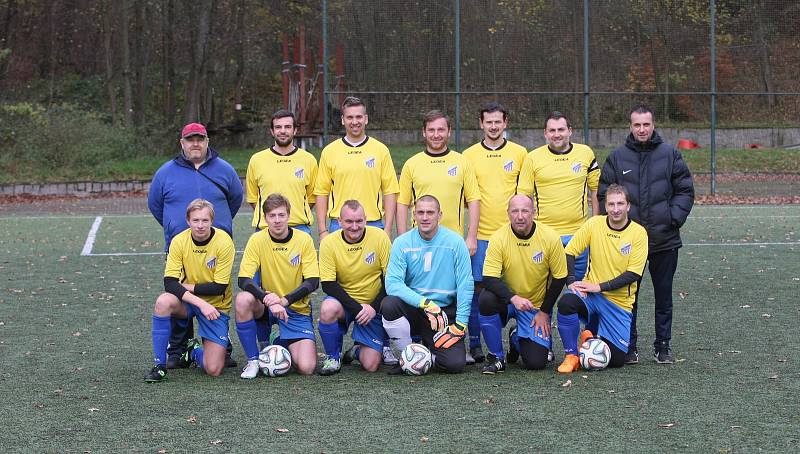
[(283, 264), (364, 173), (448, 177), (497, 172), (526, 265), (193, 263), (611, 253), (559, 184), (357, 267), (292, 175)]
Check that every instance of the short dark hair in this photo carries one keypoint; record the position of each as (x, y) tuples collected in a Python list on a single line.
[(642, 109), (352, 101), (618, 189), (352, 205), (274, 201), (283, 113), (434, 115), (429, 198), (494, 106), (556, 115)]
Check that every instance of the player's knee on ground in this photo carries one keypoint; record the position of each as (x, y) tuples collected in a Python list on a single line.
[(370, 359), (617, 355), (451, 360), (330, 310), (570, 303), (534, 356), (490, 304), (304, 356), (392, 308), (165, 304)]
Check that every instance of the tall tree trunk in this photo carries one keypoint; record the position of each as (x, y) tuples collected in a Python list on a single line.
[(168, 63), (126, 62), (52, 59), (240, 34), (763, 52), (203, 23), (140, 62), (109, 64)]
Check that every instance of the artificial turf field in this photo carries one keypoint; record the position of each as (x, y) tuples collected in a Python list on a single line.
[(75, 345)]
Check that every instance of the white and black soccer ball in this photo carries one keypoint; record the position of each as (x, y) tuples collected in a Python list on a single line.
[(274, 361), (595, 354), (415, 359)]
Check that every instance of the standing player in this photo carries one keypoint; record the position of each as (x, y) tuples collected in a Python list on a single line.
[(444, 174), (356, 167), (197, 172), (289, 273), (197, 284), (524, 272), (497, 163), (662, 195), (617, 255), (352, 264), (429, 284), (283, 168), (562, 177)]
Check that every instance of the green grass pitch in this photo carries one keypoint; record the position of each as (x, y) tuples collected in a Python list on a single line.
[(75, 345)]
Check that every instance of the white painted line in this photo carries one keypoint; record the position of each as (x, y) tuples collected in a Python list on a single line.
[(89, 244), (130, 254), (734, 217), (90, 216)]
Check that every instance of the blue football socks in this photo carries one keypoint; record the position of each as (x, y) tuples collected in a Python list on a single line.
[(492, 330), (247, 337), (569, 327), (331, 336), (161, 331)]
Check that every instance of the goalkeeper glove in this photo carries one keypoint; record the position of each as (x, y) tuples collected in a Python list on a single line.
[(435, 314), (450, 336)]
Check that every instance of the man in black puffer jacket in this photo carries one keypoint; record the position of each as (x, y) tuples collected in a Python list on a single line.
[(661, 196)]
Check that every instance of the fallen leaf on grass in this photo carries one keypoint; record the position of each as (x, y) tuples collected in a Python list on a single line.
[(162, 451), (782, 360), (191, 419), (489, 401), (611, 391), (76, 333), (282, 430), (773, 377), (745, 306), (566, 384), (736, 427), (424, 439), (93, 409), (59, 392), (38, 405), (683, 295), (668, 425), (216, 442), (766, 315)]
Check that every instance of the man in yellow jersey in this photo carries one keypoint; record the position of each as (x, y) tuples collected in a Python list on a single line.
[(562, 178), (617, 255), (497, 163), (352, 265), (283, 168), (524, 272), (444, 174), (197, 284), (289, 273), (355, 167)]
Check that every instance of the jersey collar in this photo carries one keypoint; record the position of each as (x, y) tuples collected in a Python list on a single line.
[(363, 234), (272, 149), (440, 155), (346, 142), (621, 229), (560, 153), (285, 240), (207, 240), (487, 147), (528, 236)]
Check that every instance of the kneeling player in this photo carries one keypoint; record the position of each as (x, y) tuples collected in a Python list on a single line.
[(196, 280), (429, 282), (289, 273), (523, 274), (352, 264), (617, 255)]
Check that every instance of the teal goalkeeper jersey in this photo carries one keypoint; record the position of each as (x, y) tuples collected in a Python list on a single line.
[(438, 269)]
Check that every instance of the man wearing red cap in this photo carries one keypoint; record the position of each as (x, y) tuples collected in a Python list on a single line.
[(197, 172)]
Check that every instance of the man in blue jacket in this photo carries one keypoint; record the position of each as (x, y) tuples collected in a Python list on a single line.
[(429, 283), (197, 172), (661, 196)]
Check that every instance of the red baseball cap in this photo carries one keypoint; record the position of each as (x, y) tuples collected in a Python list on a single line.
[(194, 129)]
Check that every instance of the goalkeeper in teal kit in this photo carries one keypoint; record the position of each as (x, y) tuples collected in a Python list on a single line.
[(429, 286)]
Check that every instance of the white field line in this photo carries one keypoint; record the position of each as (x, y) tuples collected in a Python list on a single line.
[(89, 244), (777, 243)]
